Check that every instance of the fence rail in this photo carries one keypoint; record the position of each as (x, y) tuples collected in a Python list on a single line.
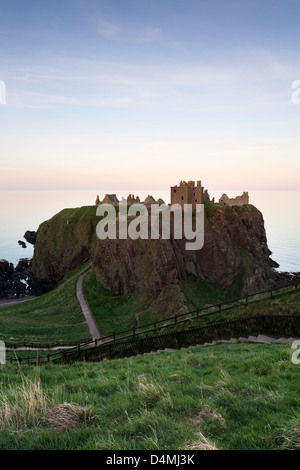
[(274, 325), (165, 323), (242, 326)]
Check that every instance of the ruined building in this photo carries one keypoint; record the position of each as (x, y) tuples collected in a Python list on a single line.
[(131, 199), (185, 193), (236, 201), (189, 193)]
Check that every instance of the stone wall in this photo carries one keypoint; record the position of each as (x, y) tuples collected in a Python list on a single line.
[(237, 201)]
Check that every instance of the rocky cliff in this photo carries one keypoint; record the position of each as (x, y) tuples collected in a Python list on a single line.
[(235, 256)]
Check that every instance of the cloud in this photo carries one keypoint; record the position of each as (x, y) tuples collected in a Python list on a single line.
[(132, 32), (109, 29), (259, 81)]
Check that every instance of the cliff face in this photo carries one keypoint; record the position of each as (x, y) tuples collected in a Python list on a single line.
[(235, 256)]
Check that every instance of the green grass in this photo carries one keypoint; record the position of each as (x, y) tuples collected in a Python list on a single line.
[(284, 304), (236, 396), (199, 293), (115, 313), (111, 311), (52, 318)]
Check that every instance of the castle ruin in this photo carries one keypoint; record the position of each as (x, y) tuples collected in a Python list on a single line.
[(189, 193), (236, 201), (185, 193), (112, 199)]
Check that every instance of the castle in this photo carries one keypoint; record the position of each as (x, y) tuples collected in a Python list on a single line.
[(237, 201), (185, 193), (112, 199), (189, 193)]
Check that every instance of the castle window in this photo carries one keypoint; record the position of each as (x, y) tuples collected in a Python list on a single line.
[(182, 198), (174, 190)]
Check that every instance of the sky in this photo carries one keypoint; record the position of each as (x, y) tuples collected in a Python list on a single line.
[(104, 94)]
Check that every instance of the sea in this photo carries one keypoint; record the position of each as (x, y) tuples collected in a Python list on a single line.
[(26, 210)]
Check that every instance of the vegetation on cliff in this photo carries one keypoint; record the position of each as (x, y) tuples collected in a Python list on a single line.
[(233, 261)]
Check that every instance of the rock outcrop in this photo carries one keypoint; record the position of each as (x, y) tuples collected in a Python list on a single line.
[(14, 282), (30, 237), (235, 256)]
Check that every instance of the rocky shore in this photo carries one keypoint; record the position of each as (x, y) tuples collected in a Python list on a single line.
[(18, 282), (15, 281)]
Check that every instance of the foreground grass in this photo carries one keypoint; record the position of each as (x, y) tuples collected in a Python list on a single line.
[(52, 318), (229, 396)]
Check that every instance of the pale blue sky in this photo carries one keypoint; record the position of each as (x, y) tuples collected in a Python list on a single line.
[(143, 93)]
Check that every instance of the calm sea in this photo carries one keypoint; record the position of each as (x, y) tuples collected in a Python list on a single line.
[(21, 211)]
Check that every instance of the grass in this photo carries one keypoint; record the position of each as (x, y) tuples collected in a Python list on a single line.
[(115, 313), (229, 396), (52, 318), (284, 304), (111, 311), (199, 293)]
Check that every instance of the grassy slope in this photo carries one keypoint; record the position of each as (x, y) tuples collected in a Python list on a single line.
[(115, 313), (51, 318), (199, 293), (242, 396), (285, 304), (111, 311)]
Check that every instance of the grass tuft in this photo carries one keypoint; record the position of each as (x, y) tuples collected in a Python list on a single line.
[(201, 444), (67, 416)]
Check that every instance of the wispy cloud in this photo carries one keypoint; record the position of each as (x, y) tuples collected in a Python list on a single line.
[(260, 83), (109, 29), (132, 33)]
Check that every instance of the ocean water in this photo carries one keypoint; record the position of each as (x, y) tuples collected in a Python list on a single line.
[(25, 210)]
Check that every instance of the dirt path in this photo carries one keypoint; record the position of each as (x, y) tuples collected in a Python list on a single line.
[(89, 318), (8, 302)]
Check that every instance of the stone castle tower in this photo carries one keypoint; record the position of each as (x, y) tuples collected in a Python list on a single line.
[(189, 193)]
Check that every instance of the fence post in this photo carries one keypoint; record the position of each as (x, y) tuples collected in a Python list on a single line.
[(133, 331), (177, 339), (48, 357), (271, 293), (78, 351), (220, 307), (175, 318), (114, 336), (155, 326)]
